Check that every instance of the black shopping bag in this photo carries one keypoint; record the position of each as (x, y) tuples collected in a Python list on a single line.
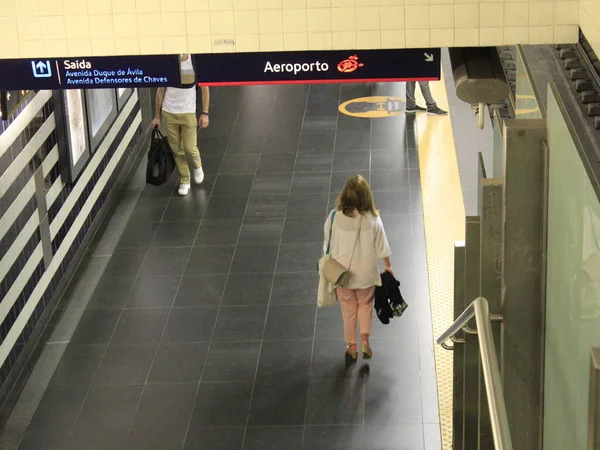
[(160, 160)]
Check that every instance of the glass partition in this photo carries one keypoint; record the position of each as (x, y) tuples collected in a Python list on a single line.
[(573, 286), (527, 104)]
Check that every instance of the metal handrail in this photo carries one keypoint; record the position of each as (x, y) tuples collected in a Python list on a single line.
[(489, 362)]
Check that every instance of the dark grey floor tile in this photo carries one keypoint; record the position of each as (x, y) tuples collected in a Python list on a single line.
[(329, 323), (153, 292), (247, 290), (96, 327), (165, 261), (137, 235), (273, 438), (178, 363), (58, 410), (278, 402), (175, 234), (335, 402), (316, 142), (285, 360), (232, 208), (388, 140), (231, 361), (277, 163), (229, 403), (218, 232), (239, 164), (327, 437), (388, 401), (108, 410), (329, 361), (190, 325), (149, 210), (265, 205), (140, 326), (214, 438), (246, 143), (201, 290), (314, 162), (393, 202), (297, 288), (311, 183), (393, 437), (165, 407), (156, 438), (282, 142), (125, 262), (111, 292), (191, 207), (78, 365), (294, 258), (44, 440), (273, 183), (212, 144), (390, 180), (254, 259), (317, 110), (211, 163), (300, 230), (389, 160), (126, 364), (232, 185), (210, 260), (261, 231), (95, 438), (307, 206), (352, 141), (290, 322), (359, 161), (348, 124), (240, 323), (398, 228)]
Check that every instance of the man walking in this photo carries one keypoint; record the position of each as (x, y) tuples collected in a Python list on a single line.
[(411, 105), (177, 109)]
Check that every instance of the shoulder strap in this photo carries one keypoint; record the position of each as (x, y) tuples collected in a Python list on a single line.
[(330, 231)]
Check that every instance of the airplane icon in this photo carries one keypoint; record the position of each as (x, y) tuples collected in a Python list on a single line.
[(41, 69)]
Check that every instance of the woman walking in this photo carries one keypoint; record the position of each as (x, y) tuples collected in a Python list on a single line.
[(357, 242)]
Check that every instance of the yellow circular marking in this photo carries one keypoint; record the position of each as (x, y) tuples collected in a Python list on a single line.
[(373, 107)]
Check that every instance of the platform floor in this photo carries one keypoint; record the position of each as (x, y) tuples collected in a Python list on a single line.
[(203, 333)]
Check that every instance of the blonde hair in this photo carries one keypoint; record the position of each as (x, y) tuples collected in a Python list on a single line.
[(356, 195)]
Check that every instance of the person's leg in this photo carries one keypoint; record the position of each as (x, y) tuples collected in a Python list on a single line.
[(190, 146), (432, 107), (173, 126), (365, 311), (349, 306), (411, 105)]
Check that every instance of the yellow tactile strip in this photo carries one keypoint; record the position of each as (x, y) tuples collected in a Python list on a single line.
[(444, 218)]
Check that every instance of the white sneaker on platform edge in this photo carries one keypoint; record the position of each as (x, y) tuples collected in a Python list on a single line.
[(198, 175), (184, 189)]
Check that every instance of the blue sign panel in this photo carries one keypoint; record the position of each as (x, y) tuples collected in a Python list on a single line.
[(90, 73)]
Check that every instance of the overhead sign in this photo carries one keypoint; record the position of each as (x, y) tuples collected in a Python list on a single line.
[(90, 73), (223, 69), (373, 107)]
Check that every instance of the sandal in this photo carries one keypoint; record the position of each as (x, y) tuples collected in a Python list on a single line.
[(352, 353), (367, 353)]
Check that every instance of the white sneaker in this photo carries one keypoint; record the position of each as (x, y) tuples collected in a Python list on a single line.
[(184, 189), (198, 175)]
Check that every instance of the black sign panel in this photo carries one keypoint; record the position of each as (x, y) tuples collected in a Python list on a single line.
[(10, 100), (224, 69), (90, 73)]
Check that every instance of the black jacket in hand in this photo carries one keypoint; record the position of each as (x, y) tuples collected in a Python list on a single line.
[(388, 299)]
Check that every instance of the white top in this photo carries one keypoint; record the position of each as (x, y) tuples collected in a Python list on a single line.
[(372, 246), (178, 100)]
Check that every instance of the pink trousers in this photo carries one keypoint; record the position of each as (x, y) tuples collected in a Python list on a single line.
[(356, 303)]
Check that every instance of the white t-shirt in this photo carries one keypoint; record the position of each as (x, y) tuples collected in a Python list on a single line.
[(372, 246), (181, 100)]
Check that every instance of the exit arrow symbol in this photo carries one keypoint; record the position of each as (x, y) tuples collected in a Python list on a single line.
[(428, 57), (41, 66)]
